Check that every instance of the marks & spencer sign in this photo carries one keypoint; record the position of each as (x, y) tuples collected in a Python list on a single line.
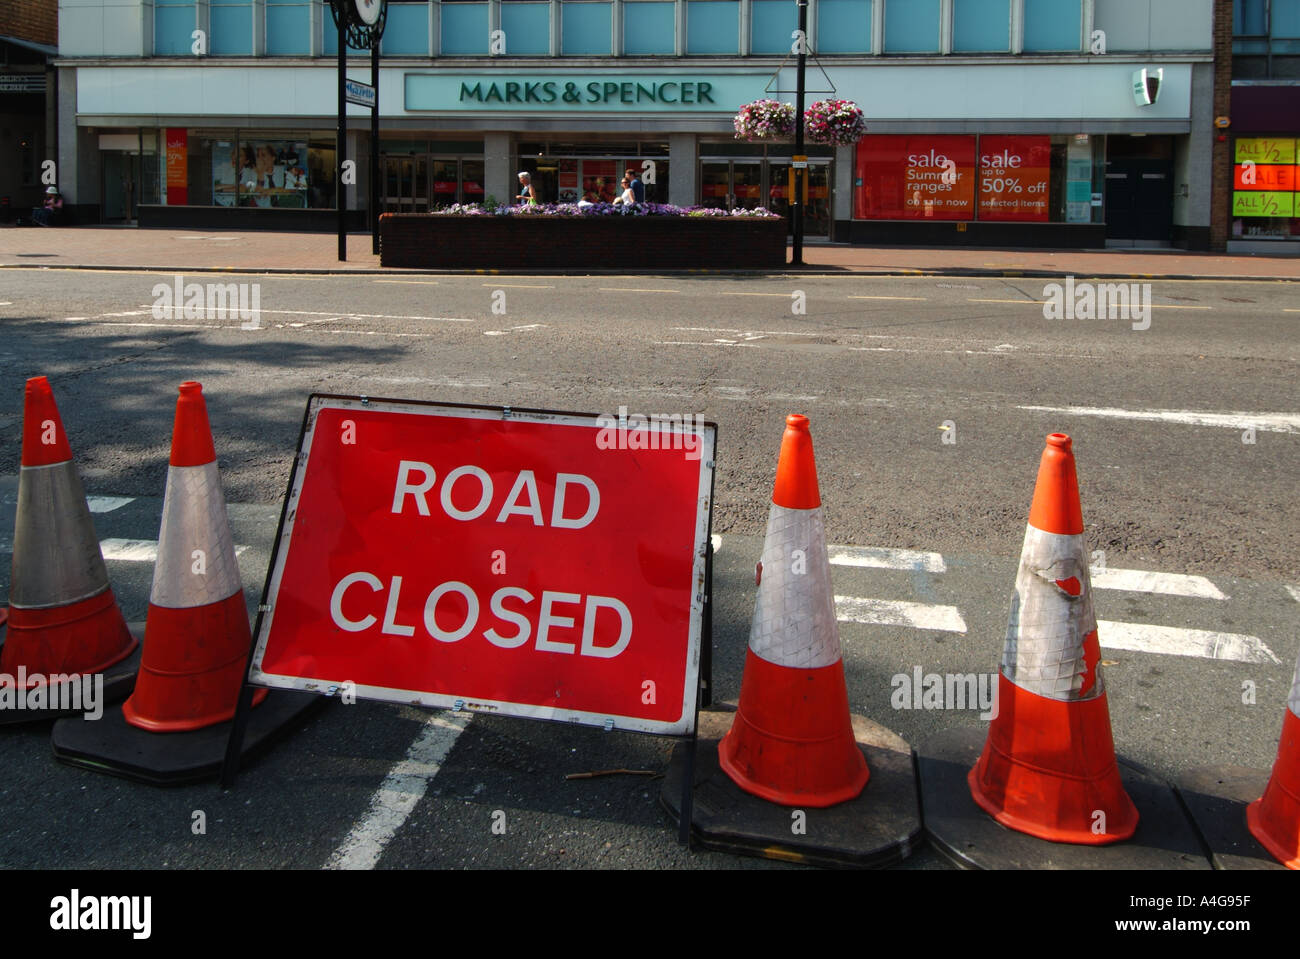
[(584, 93)]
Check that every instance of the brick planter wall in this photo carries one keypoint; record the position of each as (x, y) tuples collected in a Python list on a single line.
[(421, 240)]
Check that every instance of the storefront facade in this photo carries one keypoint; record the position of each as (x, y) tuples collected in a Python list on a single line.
[(1002, 121)]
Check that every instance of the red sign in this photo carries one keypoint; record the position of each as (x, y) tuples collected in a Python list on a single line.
[(1014, 176), (530, 564), (916, 177), (178, 176)]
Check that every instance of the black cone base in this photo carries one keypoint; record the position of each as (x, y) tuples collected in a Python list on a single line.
[(967, 835), (112, 745), (1217, 797), (881, 827), (119, 682)]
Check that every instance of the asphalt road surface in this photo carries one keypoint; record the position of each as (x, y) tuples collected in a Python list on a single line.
[(929, 400)]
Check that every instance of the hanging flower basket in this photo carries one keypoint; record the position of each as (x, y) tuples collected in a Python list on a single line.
[(765, 120), (837, 122)]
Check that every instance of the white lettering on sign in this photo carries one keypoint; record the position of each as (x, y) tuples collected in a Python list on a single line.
[(415, 480), (549, 619)]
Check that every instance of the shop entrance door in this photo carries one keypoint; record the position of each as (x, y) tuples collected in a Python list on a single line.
[(1139, 190), (817, 196), (731, 184), (119, 186), (404, 184)]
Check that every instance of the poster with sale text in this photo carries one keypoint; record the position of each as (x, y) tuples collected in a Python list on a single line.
[(1014, 176)]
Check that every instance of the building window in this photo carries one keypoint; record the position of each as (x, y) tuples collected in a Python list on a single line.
[(1053, 25), (712, 26), (912, 26), (1264, 194), (527, 27), (771, 23), (232, 27), (406, 32), (649, 29), (464, 29), (1265, 39), (288, 28), (586, 28), (844, 26), (173, 23), (981, 26)]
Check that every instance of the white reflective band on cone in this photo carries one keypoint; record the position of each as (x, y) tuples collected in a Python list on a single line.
[(794, 617), (56, 557), (1044, 646), (1294, 702), (194, 520)]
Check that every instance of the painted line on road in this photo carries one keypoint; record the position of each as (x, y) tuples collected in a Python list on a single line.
[(890, 612), (752, 346), (1144, 581), (919, 299), (883, 558), (627, 289), (1271, 422), (399, 793), (137, 550), (411, 282), (518, 286), (739, 293), (716, 542), (1173, 641), (1293, 590), (719, 329), (106, 504)]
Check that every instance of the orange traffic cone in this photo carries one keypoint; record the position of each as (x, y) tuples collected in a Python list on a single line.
[(63, 617), (792, 740), (197, 636), (1274, 818), (1048, 767)]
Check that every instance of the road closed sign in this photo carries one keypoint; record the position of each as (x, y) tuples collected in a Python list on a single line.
[(525, 563)]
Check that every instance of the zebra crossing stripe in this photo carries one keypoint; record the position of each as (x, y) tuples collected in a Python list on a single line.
[(880, 558), (1145, 581), (890, 612), (1172, 641)]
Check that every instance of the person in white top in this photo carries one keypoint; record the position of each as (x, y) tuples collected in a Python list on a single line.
[(627, 197)]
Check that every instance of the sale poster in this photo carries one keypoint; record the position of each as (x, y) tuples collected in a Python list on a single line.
[(177, 169), (1014, 176), (921, 177)]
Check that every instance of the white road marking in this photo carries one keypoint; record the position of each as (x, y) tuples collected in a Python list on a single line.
[(136, 550), (752, 346), (717, 329), (882, 558), (530, 326), (1173, 641), (1293, 590), (519, 286), (1270, 422), (399, 793), (106, 504), (1144, 581), (716, 541), (918, 298), (6, 302), (738, 293), (889, 612), (630, 289), (411, 282)]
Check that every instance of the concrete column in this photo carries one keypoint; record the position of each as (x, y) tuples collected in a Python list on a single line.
[(844, 175), (498, 175), (681, 169)]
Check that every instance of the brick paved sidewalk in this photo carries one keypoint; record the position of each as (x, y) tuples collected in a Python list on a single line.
[(128, 247)]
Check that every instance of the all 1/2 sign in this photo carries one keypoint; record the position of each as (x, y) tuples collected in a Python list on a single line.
[(526, 563)]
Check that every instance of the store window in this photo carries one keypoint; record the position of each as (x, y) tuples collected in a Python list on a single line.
[(844, 26), (912, 26), (712, 26), (1266, 178), (1265, 39), (981, 26), (1026, 178), (232, 27), (288, 28), (173, 23), (279, 169), (771, 23), (586, 28), (464, 29), (1053, 25), (527, 27), (649, 28), (406, 32)]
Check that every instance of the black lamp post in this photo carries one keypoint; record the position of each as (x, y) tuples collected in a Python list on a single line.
[(798, 172)]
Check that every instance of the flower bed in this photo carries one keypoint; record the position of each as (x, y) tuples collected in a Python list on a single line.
[(564, 236)]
